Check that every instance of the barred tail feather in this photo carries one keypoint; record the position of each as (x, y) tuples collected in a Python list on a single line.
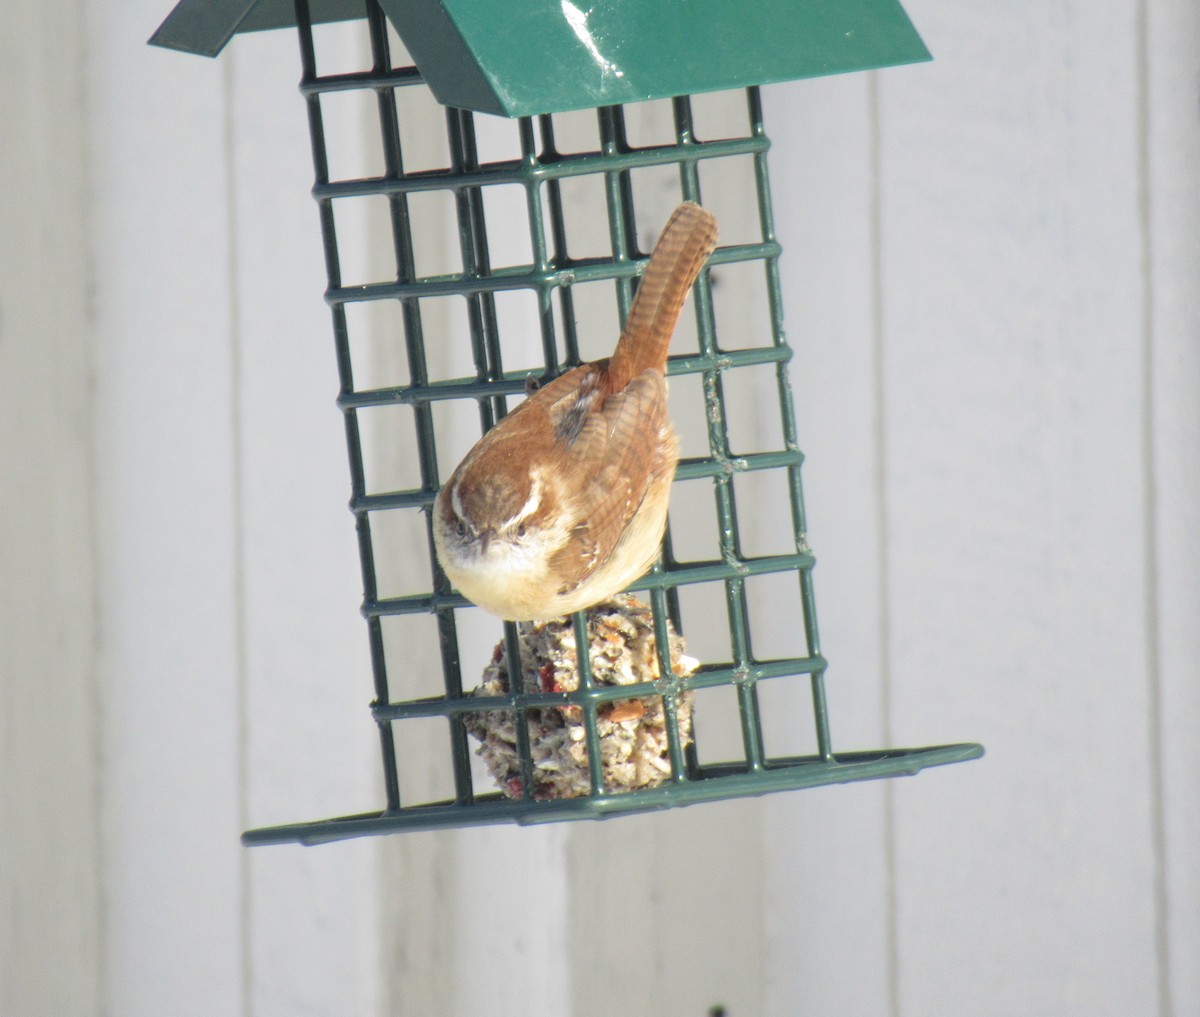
[(687, 240)]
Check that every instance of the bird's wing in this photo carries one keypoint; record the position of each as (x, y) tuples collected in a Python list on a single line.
[(616, 449)]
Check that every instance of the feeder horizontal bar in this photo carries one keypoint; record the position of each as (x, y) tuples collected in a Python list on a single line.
[(710, 783), (527, 171), (694, 469), (712, 571), (419, 498), (427, 603), (714, 675), (410, 395), (513, 382), (697, 468), (525, 277), (444, 706), (728, 360), (682, 575), (397, 77), (711, 676)]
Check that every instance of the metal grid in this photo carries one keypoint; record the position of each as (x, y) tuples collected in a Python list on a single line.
[(541, 171)]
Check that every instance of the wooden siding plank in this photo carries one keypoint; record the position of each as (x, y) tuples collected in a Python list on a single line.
[(49, 729), (1013, 407), (827, 880), (168, 660)]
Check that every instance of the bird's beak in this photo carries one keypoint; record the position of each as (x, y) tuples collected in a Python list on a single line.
[(485, 538)]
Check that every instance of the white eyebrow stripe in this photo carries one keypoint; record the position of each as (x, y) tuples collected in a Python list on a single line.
[(531, 503), (456, 500)]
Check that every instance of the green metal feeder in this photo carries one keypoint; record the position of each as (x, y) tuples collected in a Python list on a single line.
[(534, 61)]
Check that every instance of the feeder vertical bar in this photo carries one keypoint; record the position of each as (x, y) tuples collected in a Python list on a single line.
[(476, 259), (558, 233), (475, 323), (561, 256), (690, 189), (788, 420), (345, 373), (685, 137), (681, 766), (583, 668), (473, 249), (516, 689), (623, 234), (482, 260), (402, 248), (537, 241), (619, 198), (718, 439)]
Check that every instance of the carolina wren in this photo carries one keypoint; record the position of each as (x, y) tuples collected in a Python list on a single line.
[(563, 503)]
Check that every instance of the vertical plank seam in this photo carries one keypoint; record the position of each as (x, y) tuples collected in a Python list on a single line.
[(95, 677), (237, 456), (878, 384), (1151, 577)]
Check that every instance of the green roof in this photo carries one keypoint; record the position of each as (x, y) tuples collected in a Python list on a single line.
[(522, 57)]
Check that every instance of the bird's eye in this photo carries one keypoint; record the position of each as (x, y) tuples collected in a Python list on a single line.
[(521, 530)]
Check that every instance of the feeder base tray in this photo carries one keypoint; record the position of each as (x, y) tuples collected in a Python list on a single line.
[(707, 784)]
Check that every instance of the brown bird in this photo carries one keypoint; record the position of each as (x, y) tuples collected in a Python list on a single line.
[(563, 503)]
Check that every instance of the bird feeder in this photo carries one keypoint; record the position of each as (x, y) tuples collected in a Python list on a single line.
[(534, 62)]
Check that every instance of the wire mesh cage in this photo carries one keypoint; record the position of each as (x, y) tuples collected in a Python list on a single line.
[(574, 274)]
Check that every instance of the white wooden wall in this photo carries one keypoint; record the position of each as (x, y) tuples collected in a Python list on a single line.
[(993, 284)]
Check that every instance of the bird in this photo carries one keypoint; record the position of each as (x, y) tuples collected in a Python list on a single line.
[(563, 503)]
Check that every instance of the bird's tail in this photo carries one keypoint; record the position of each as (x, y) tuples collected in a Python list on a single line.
[(687, 240)]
